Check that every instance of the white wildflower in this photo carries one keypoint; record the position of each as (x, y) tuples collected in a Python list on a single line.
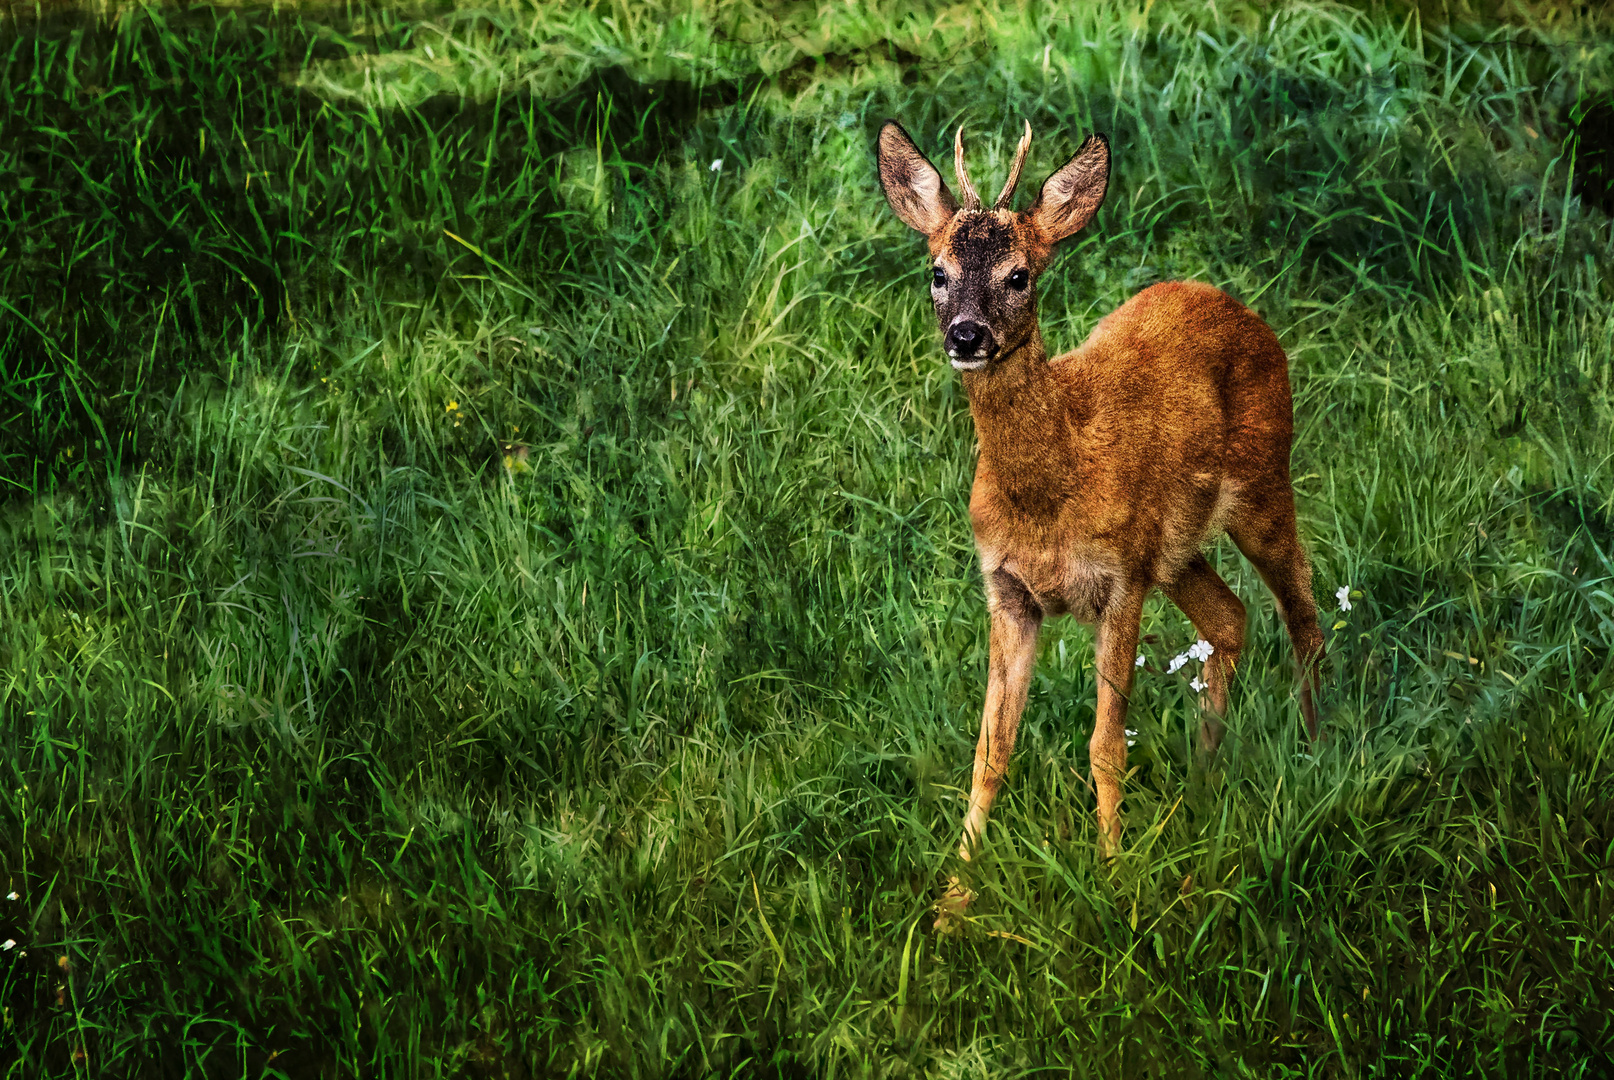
[(717, 165), (1139, 661), (1198, 684), (1201, 650), (1176, 662), (1343, 595), (12, 895), (1131, 737), (8, 945)]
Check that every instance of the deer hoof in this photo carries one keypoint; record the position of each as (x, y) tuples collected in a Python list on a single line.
[(950, 908)]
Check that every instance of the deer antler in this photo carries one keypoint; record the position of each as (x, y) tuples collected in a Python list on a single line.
[(968, 199), (1014, 170)]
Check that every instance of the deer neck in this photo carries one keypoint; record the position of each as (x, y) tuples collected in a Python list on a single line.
[(1019, 410)]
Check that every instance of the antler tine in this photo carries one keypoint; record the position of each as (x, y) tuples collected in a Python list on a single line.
[(968, 199), (1014, 170)]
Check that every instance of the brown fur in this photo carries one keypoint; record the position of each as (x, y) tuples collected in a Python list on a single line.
[(1105, 471)]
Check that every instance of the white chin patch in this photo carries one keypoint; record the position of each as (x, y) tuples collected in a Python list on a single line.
[(968, 365)]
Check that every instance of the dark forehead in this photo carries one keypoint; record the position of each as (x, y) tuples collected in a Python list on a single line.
[(982, 238)]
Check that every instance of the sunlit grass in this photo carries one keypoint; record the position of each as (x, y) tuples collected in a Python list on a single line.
[(485, 592)]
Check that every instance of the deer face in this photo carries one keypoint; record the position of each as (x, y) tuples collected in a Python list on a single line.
[(984, 267), (985, 262)]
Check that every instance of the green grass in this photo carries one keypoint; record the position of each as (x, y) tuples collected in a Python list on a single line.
[(483, 593)]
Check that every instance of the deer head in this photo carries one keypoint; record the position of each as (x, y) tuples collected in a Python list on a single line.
[(985, 261)]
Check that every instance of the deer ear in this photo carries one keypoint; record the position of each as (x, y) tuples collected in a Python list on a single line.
[(1071, 196), (912, 185)]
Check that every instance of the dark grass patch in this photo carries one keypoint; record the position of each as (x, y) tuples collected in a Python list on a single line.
[(557, 650)]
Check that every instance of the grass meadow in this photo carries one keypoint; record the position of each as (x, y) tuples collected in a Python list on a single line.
[(486, 589)]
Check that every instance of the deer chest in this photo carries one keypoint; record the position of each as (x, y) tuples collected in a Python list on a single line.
[(1078, 581)]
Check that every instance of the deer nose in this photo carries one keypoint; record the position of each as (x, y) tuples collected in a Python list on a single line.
[(965, 337)]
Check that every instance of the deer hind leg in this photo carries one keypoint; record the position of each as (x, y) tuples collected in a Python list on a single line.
[(1218, 616), (1117, 648), (1272, 544)]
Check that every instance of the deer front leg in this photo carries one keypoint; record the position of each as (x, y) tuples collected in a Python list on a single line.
[(1016, 618), (1117, 647)]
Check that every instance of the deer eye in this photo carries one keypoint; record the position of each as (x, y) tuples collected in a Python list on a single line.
[(938, 278), (1019, 279)]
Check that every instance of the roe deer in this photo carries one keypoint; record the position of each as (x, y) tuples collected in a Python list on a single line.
[(1103, 472)]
